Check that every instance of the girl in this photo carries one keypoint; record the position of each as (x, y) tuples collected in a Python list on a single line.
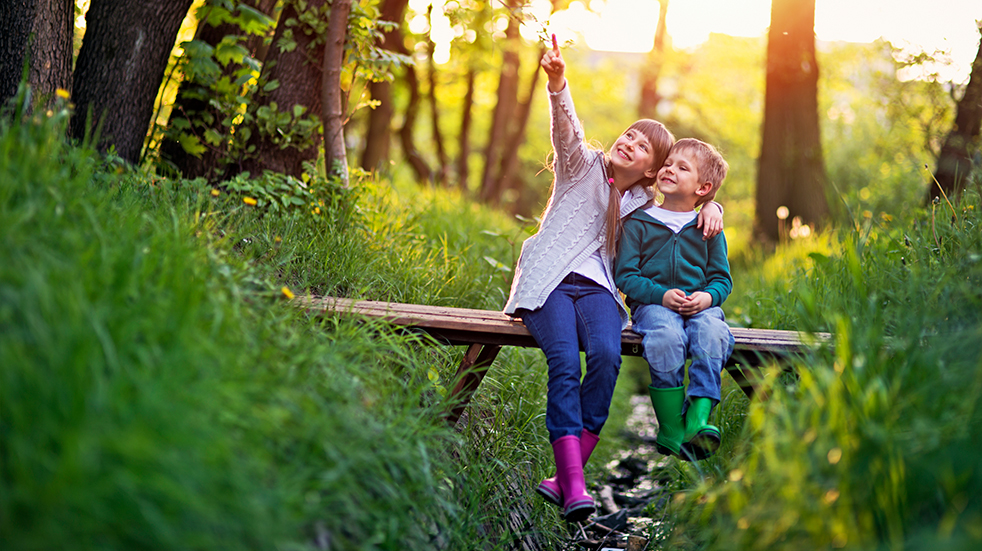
[(563, 287)]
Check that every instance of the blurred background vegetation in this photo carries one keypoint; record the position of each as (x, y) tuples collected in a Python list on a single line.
[(158, 390)]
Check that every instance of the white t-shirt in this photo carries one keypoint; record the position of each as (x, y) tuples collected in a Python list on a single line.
[(672, 219), (593, 267)]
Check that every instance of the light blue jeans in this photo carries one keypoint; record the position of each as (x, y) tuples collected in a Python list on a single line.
[(579, 314), (669, 338)]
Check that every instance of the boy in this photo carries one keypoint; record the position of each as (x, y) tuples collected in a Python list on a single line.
[(675, 282)]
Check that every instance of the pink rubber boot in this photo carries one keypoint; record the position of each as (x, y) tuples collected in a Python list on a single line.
[(577, 504), (549, 488)]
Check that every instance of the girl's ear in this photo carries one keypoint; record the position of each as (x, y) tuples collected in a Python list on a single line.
[(651, 172)]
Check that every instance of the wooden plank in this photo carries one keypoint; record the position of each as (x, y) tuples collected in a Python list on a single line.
[(484, 332), (469, 326), (477, 360)]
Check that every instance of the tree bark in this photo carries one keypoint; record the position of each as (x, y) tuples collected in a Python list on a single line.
[(516, 135), (648, 104), (443, 162), (379, 133), (791, 171), (955, 161), (335, 155), (16, 17), (275, 147), (196, 102), (120, 68), (466, 119), (415, 158), (504, 110), (42, 30)]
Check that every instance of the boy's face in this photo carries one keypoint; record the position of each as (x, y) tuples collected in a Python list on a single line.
[(678, 178), (633, 155)]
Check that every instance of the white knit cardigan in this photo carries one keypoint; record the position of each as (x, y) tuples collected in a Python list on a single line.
[(572, 225)]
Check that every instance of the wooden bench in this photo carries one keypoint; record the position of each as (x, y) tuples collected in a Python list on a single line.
[(484, 332)]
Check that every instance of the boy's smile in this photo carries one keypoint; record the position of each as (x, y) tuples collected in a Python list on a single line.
[(678, 181)]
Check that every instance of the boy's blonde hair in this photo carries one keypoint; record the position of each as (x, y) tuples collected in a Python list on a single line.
[(710, 163)]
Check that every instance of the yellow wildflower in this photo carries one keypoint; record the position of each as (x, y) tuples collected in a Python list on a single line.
[(287, 292), (215, 192), (249, 201), (62, 93)]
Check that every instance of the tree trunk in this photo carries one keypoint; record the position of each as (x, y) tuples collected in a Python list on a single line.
[(379, 133), (196, 102), (335, 155), (955, 162), (120, 68), (791, 172), (43, 30), (443, 169), (516, 135), (281, 146), (648, 106), (504, 110), (16, 17), (466, 118), (412, 154)]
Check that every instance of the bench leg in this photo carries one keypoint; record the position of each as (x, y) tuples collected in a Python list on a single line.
[(748, 378), (473, 367)]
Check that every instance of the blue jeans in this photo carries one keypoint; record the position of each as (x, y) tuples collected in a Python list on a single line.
[(669, 338), (579, 313)]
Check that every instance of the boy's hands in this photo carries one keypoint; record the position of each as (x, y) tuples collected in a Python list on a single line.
[(554, 66), (677, 301), (710, 220)]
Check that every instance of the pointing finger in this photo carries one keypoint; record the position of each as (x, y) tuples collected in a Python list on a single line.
[(555, 43)]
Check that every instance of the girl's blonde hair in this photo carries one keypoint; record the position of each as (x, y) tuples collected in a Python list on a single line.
[(661, 143)]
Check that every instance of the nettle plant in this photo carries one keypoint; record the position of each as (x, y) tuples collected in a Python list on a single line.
[(228, 80)]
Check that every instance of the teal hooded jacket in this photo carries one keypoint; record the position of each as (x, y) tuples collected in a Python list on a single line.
[(652, 259)]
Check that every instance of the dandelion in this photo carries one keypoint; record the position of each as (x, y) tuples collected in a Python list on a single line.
[(62, 93), (287, 292), (215, 192), (317, 210), (886, 217), (249, 201), (835, 454)]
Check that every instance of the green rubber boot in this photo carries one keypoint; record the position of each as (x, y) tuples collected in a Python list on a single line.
[(668, 409), (701, 439)]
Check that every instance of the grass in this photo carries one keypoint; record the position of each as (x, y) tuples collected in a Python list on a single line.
[(871, 447), (158, 390)]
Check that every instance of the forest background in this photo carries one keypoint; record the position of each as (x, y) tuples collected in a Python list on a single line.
[(152, 255)]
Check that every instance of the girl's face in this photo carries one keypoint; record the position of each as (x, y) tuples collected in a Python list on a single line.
[(632, 156)]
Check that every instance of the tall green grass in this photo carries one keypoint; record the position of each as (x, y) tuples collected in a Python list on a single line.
[(158, 390), (874, 444)]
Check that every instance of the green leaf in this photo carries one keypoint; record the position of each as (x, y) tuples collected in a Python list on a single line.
[(298, 110), (180, 123), (197, 48), (253, 21), (212, 137), (191, 144), (271, 85), (230, 50)]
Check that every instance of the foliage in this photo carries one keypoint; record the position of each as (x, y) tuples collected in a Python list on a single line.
[(872, 445)]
